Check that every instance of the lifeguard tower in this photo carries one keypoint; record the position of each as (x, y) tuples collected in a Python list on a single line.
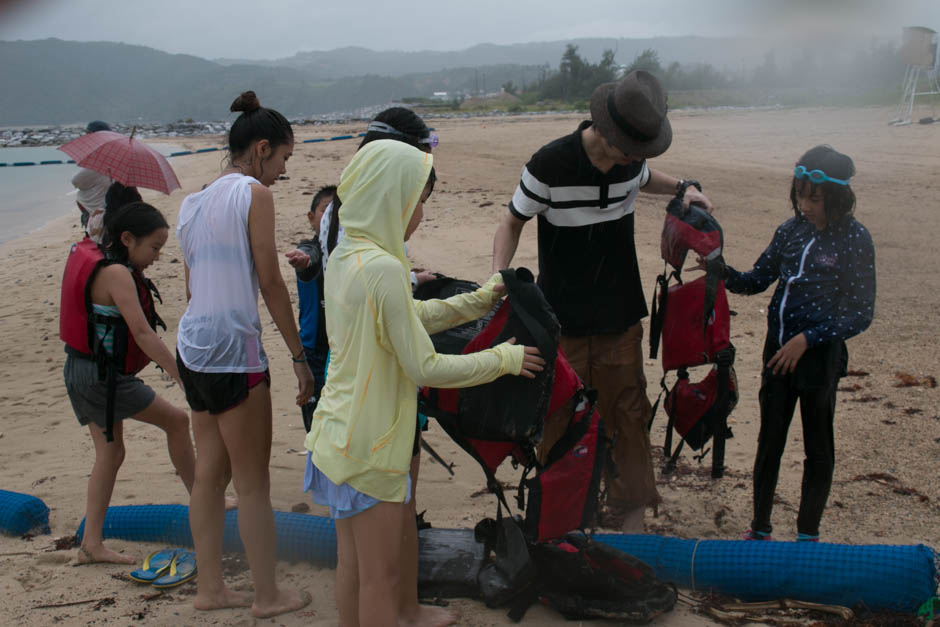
[(920, 52)]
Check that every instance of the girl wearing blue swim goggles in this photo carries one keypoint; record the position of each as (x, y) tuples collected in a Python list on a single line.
[(823, 264), (820, 191), (815, 176)]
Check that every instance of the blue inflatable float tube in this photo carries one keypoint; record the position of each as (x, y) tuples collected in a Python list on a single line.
[(22, 513), (879, 577), (299, 536)]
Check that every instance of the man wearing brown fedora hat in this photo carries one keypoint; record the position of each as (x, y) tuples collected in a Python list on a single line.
[(582, 188)]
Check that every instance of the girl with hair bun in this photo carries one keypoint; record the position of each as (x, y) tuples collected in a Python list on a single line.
[(121, 319), (226, 233)]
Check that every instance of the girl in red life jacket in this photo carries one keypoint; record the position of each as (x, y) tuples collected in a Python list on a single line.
[(134, 236)]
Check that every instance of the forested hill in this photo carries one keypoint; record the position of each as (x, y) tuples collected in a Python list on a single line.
[(354, 61), (61, 82)]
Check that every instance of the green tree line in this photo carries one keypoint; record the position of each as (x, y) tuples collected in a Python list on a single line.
[(877, 68)]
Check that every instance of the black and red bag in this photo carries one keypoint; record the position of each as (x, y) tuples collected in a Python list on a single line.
[(505, 418), (452, 341), (692, 321), (509, 408), (575, 575)]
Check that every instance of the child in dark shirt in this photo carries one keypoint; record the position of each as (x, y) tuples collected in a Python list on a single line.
[(823, 261), (307, 263)]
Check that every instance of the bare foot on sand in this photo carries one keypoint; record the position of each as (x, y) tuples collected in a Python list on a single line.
[(102, 555), (429, 616), (224, 599), (633, 520), (286, 602), (231, 502)]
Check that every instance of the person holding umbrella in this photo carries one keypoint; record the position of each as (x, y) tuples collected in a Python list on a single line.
[(92, 187), (120, 158), (226, 233)]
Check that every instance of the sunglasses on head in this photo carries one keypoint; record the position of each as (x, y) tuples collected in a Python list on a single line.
[(816, 176), (381, 127)]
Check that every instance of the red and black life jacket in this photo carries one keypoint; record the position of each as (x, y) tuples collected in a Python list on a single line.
[(692, 320), (77, 319), (505, 418)]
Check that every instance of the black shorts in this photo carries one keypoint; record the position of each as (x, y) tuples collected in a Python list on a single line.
[(218, 392)]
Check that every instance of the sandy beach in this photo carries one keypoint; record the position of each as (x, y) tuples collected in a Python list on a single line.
[(886, 488)]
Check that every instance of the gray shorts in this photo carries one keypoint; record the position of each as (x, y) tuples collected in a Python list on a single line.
[(89, 396)]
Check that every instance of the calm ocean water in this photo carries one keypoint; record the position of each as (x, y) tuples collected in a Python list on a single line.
[(31, 196)]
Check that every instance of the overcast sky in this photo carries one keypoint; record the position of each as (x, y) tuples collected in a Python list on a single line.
[(268, 29)]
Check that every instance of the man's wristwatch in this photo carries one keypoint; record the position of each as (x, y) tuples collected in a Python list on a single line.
[(684, 184)]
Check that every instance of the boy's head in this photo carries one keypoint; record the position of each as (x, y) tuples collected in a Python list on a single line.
[(321, 200), (822, 176)]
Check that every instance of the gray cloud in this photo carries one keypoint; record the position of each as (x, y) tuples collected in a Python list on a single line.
[(278, 28)]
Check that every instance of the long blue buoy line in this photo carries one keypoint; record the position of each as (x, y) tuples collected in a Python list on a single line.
[(180, 153), (879, 577)]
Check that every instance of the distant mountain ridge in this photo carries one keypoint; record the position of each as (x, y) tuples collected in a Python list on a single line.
[(52, 81), (353, 60)]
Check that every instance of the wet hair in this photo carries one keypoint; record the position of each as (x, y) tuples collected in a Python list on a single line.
[(838, 200), (137, 218), (97, 125), (323, 192), (118, 195), (256, 123), (405, 121)]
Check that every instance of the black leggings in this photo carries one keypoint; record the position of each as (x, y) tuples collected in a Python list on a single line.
[(813, 383)]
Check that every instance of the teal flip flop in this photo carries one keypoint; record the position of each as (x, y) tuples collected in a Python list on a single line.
[(182, 569), (155, 566)]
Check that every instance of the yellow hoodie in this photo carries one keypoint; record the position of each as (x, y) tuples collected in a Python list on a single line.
[(363, 428)]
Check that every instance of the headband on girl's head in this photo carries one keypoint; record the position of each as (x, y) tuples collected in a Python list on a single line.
[(382, 127)]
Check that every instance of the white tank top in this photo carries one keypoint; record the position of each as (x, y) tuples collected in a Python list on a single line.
[(220, 331)]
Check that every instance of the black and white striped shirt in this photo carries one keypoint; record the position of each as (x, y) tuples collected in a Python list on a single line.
[(587, 257)]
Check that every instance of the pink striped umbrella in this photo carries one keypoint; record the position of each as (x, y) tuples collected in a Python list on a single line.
[(124, 159)]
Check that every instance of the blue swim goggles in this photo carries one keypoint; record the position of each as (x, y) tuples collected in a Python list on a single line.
[(816, 176)]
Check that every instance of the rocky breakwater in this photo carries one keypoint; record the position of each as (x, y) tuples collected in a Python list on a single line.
[(58, 135)]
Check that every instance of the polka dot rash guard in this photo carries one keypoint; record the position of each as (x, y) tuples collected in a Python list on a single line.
[(825, 281)]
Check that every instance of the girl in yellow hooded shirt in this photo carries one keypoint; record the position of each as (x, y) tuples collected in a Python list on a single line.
[(364, 426)]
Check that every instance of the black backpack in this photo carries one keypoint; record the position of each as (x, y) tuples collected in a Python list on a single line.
[(509, 409), (505, 418), (575, 575), (452, 341)]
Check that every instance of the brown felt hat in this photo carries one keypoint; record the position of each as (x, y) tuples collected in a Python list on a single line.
[(631, 115)]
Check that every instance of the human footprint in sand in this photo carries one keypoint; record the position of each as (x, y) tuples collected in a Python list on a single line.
[(226, 234), (121, 320)]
